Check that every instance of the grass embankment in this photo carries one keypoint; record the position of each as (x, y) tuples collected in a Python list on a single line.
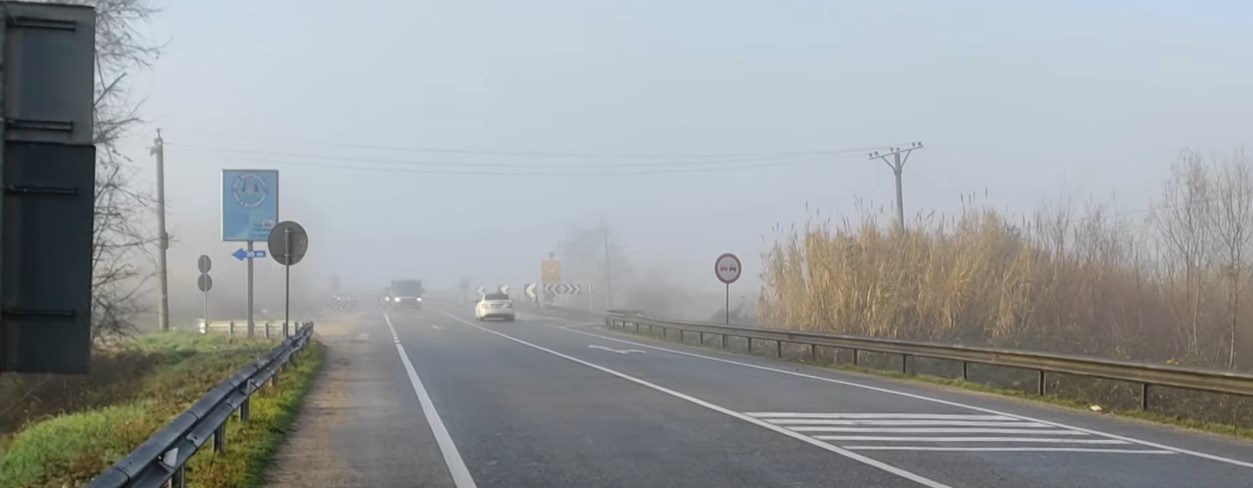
[(63, 431)]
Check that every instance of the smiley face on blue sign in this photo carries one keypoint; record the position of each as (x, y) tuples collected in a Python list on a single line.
[(249, 204)]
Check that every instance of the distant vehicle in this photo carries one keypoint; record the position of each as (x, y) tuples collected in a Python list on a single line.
[(494, 305), (404, 294)]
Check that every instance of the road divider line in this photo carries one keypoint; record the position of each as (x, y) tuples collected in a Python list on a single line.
[(1007, 449), (456, 466), (1156, 445), (907, 422), (927, 416), (938, 430), (1046, 440), (725, 411)]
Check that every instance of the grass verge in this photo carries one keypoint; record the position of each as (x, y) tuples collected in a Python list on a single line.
[(251, 446), (70, 445), (957, 383)]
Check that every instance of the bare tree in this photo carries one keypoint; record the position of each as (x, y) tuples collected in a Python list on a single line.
[(1233, 228), (120, 256), (1182, 221)]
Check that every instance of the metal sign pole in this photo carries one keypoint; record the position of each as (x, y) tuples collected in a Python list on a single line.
[(286, 278), (728, 320), (206, 311), (251, 323)]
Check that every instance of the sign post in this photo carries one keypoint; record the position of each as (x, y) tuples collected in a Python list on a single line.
[(292, 239), (205, 283), (727, 269), (249, 211)]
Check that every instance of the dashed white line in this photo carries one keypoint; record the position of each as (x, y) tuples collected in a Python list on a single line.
[(928, 416), (920, 397), (456, 466), (725, 411)]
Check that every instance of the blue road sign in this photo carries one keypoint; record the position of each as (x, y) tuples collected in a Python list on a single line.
[(241, 254), (249, 204)]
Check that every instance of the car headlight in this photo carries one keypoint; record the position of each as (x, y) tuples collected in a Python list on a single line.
[(419, 299)]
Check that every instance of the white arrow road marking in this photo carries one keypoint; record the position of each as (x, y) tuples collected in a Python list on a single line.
[(623, 351)]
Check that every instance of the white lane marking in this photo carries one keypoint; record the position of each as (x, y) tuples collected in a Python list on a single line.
[(966, 423), (924, 398), (725, 411), (456, 467), (436, 327), (938, 430), (1048, 440), (932, 416), (623, 351), (1007, 449)]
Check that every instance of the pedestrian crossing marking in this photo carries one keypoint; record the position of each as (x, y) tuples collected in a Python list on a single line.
[(945, 432)]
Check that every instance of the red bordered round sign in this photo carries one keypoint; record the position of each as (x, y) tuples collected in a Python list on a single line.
[(727, 268)]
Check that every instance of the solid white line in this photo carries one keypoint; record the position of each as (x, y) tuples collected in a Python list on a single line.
[(436, 327), (938, 430), (932, 416), (962, 423), (456, 467), (965, 439), (924, 398), (725, 411), (1007, 449)]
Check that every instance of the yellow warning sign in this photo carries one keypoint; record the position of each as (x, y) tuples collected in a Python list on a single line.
[(550, 271)]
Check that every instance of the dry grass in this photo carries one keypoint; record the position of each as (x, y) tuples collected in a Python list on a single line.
[(1163, 286)]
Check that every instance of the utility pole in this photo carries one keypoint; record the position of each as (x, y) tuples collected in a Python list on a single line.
[(608, 269), (898, 165), (163, 239)]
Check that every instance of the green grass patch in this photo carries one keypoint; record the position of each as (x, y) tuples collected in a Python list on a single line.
[(71, 428), (250, 447)]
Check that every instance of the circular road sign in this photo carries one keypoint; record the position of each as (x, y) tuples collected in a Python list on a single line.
[(727, 268), (204, 282), (204, 264), (278, 242)]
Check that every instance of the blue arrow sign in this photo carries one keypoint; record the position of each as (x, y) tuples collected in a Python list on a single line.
[(241, 254)]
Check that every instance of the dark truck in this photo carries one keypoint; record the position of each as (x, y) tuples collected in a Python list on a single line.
[(404, 294)]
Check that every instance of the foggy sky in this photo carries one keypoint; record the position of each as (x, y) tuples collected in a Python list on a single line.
[(1026, 100)]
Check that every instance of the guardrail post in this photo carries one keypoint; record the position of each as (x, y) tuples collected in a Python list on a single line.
[(179, 480), (701, 336), (778, 349), (267, 330), (231, 329), (219, 439), (1041, 385), (1144, 396), (244, 410), (905, 363), (965, 371), (680, 335), (724, 341), (855, 357), (750, 344), (813, 352)]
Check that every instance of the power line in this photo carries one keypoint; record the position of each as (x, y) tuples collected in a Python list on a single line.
[(545, 154), (416, 170), (473, 164)]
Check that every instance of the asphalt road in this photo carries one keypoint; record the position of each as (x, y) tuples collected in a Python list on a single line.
[(438, 399)]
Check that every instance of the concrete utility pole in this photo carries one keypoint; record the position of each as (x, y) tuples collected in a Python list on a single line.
[(898, 165), (163, 239), (608, 268)]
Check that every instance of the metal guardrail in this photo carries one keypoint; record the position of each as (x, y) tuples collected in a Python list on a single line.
[(163, 457), (1144, 374), (265, 328)]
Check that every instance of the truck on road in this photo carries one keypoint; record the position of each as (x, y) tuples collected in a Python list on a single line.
[(404, 295)]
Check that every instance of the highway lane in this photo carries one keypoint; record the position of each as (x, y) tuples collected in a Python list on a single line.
[(548, 402)]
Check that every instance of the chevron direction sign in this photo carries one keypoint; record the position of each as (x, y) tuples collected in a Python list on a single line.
[(562, 289)]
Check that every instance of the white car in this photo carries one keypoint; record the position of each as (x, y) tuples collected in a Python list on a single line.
[(494, 306)]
